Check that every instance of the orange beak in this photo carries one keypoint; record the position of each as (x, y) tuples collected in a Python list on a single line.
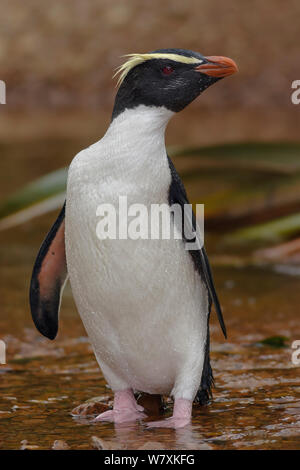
[(218, 66)]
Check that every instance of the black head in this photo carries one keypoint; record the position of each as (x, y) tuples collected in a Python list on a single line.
[(172, 78)]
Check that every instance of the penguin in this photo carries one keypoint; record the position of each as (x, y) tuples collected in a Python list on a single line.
[(145, 303)]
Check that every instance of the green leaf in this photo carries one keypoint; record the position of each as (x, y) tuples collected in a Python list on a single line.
[(242, 183), (275, 230), (270, 157), (39, 208), (39, 197), (233, 180), (275, 341)]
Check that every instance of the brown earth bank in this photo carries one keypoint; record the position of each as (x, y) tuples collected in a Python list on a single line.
[(63, 54), (197, 125)]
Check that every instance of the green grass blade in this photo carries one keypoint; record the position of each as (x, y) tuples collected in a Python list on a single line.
[(277, 157), (275, 230), (44, 193)]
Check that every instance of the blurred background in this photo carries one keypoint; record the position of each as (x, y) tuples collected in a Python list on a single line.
[(58, 64), (237, 150)]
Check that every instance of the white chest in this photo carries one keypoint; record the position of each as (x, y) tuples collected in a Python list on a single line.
[(126, 290)]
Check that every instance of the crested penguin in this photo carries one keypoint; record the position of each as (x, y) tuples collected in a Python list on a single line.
[(145, 303)]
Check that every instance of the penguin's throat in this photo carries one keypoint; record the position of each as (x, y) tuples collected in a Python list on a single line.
[(140, 126)]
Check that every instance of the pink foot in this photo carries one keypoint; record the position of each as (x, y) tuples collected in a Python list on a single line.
[(182, 414), (125, 409)]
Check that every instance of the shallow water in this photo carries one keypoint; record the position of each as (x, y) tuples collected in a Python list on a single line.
[(256, 401)]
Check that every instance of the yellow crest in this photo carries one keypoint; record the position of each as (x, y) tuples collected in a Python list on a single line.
[(136, 59)]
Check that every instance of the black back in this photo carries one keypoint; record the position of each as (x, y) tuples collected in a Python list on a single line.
[(177, 195)]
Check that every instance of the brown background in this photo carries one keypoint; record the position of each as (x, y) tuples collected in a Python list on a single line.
[(58, 59)]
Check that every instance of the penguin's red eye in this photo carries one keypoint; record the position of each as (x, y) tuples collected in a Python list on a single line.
[(167, 70)]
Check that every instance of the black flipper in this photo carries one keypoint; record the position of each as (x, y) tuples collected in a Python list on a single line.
[(178, 195), (204, 393), (48, 279)]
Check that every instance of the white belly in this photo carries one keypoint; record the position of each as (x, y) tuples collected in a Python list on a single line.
[(142, 302)]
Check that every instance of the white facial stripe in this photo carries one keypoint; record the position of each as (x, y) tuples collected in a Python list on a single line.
[(136, 59)]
